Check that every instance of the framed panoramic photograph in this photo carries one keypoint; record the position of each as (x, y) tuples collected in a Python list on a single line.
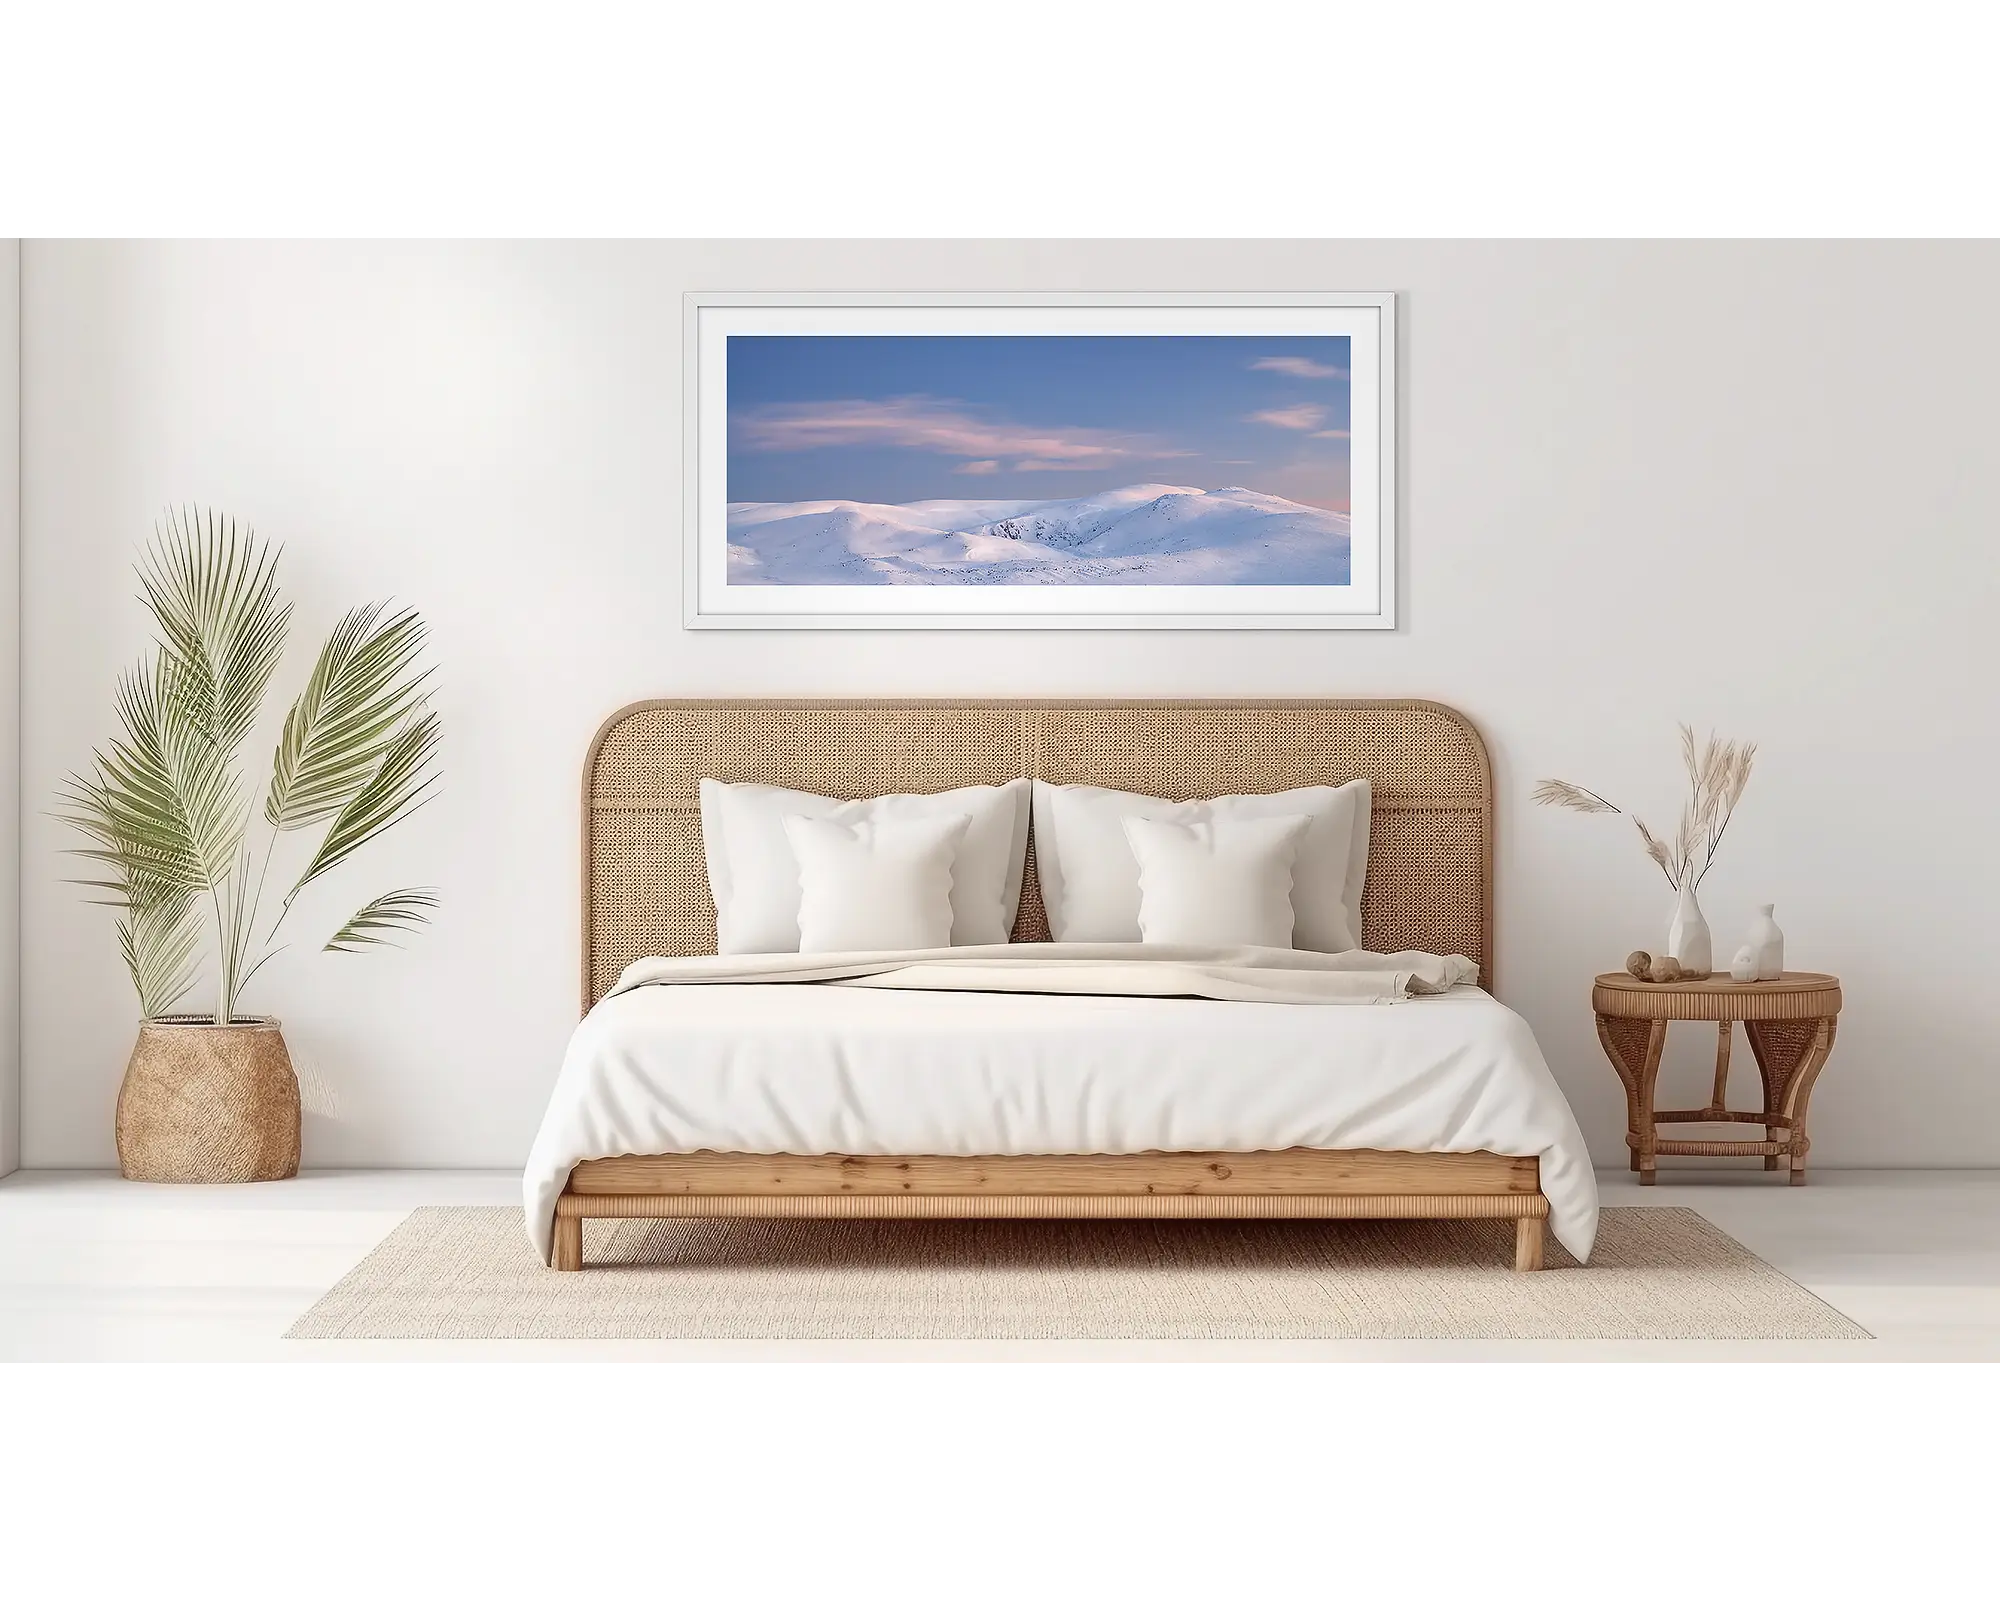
[(1041, 461)]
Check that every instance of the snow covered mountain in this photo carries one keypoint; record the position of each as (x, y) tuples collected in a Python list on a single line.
[(1149, 533)]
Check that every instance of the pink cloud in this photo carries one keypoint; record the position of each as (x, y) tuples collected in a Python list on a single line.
[(1296, 367), (1311, 482), (1332, 433), (1300, 419), (978, 469), (918, 422)]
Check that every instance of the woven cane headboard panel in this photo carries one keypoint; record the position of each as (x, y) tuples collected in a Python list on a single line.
[(645, 884)]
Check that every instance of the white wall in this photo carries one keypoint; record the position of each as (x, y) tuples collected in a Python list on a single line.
[(10, 705), (1743, 485)]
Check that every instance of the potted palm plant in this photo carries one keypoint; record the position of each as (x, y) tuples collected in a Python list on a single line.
[(212, 1098)]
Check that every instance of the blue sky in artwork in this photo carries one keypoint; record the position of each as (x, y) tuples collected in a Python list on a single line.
[(900, 418)]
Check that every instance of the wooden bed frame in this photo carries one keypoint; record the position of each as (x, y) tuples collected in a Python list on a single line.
[(1430, 887)]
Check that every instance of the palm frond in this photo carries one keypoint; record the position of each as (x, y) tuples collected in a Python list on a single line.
[(153, 889), (400, 782), (157, 801), (164, 819), (236, 917), (1574, 797), (160, 941), (213, 591), (161, 806), (398, 909), (359, 697)]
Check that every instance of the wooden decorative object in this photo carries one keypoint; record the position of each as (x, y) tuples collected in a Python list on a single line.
[(208, 1104), (1430, 887), (1790, 1022)]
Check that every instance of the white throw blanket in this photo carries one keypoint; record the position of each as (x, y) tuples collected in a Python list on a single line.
[(1208, 972), (1057, 1050)]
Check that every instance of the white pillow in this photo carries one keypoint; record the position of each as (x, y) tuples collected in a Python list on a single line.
[(754, 875), (875, 885), (1216, 882), (1090, 879)]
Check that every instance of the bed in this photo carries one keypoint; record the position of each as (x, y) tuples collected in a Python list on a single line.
[(691, 1099)]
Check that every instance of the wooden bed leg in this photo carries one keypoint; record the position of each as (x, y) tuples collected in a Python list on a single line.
[(1528, 1244), (566, 1253)]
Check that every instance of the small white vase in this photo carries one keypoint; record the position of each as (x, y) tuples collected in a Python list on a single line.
[(1767, 940), (1687, 936), (1744, 968)]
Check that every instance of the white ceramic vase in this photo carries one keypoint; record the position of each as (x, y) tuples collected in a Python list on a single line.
[(1687, 936), (1767, 940)]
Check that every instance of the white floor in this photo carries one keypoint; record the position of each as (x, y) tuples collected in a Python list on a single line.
[(92, 1268)]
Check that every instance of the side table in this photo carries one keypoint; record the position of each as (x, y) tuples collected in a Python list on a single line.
[(1790, 1025)]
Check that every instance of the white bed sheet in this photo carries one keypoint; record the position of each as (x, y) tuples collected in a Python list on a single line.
[(811, 1069)]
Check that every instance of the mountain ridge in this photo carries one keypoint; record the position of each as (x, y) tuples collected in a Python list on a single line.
[(1145, 533)]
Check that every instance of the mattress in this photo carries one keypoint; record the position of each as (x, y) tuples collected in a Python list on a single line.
[(814, 1069)]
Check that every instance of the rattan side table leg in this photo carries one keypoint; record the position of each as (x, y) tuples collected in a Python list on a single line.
[(1633, 1045), (1718, 1098), (1789, 1056)]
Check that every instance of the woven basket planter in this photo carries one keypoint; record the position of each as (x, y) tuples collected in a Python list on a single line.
[(208, 1104)]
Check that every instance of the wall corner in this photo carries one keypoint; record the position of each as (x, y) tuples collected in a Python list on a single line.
[(10, 705)]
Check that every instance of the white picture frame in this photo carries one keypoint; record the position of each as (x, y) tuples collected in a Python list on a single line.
[(1368, 600)]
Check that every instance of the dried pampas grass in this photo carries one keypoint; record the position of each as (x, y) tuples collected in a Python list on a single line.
[(1718, 771), (1554, 792)]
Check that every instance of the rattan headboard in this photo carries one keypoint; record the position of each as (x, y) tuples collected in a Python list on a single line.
[(645, 884)]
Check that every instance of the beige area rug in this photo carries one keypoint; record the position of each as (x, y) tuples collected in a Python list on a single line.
[(467, 1272)]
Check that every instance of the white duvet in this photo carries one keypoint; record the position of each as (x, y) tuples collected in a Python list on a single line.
[(1057, 1050)]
